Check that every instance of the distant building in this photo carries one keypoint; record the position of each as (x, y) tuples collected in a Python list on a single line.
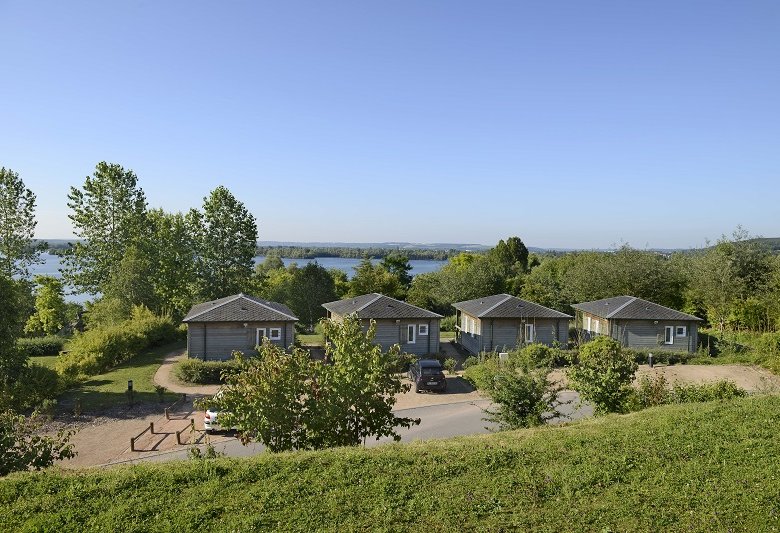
[(239, 322), (503, 321), (638, 323), (415, 329)]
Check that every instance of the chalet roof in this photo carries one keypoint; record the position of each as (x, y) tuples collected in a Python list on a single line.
[(375, 305), (631, 308), (240, 308), (506, 306)]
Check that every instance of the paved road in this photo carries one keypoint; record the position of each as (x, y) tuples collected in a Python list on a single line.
[(436, 422)]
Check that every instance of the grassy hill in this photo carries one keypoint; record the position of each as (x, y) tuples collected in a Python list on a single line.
[(704, 467)]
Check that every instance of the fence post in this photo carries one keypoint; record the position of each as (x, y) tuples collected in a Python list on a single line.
[(151, 427), (132, 444)]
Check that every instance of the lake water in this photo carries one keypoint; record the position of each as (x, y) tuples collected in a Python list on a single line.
[(51, 266)]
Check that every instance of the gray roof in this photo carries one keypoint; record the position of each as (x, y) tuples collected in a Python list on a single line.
[(506, 306), (631, 308), (375, 306), (240, 308)]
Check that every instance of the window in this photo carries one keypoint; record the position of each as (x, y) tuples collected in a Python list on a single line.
[(587, 323), (669, 335), (682, 331), (473, 327), (464, 323), (275, 334), (596, 326), (410, 332), (423, 329), (529, 333), (259, 336)]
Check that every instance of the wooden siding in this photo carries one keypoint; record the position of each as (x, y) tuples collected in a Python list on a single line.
[(500, 334), (644, 334), (389, 332), (217, 340)]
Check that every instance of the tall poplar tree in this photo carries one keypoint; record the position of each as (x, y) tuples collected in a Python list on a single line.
[(109, 214), (17, 226)]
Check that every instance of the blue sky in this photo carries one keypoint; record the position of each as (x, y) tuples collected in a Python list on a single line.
[(569, 124)]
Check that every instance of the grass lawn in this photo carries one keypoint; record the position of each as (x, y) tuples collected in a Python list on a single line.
[(311, 340), (44, 360), (108, 390), (447, 335), (694, 467)]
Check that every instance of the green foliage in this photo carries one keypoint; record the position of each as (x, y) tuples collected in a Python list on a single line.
[(769, 343), (370, 278), (50, 315), (303, 290), (523, 399), (469, 362), (401, 362), (226, 237), (17, 226), (100, 348), (448, 323), (204, 372), (12, 361), (450, 364), (40, 346), (22, 447), (109, 215), (654, 391), (482, 375), (36, 385), (287, 401), (659, 356), (535, 356), (603, 375), (397, 264), (701, 467)]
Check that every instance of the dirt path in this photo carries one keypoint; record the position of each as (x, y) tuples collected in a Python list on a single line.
[(751, 378), (164, 378)]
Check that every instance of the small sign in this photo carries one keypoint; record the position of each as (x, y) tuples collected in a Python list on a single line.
[(129, 384), (503, 357)]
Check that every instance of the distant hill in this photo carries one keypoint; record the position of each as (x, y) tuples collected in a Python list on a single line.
[(382, 245)]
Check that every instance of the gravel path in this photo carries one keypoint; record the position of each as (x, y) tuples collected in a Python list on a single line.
[(164, 377)]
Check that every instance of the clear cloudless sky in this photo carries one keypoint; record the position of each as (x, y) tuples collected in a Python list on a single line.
[(567, 123)]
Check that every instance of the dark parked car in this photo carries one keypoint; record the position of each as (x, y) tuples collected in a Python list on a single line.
[(427, 374)]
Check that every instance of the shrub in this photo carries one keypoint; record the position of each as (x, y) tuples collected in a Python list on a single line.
[(450, 364), (603, 375), (469, 362), (36, 385), (706, 392), (482, 375), (535, 356), (105, 346), (652, 391), (447, 323), (401, 362), (39, 346), (522, 399), (769, 343), (659, 356), (204, 372)]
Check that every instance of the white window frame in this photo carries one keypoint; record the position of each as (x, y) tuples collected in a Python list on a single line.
[(596, 326), (668, 337), (587, 321), (422, 330), (276, 337), (410, 334), (259, 337), (473, 328), (464, 323), (530, 333), (684, 331)]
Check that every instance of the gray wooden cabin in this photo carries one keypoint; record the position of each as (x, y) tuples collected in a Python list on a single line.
[(504, 322), (216, 328), (638, 324), (415, 329)]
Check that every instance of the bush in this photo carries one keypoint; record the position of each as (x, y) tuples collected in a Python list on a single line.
[(523, 399), (603, 375), (652, 391), (105, 346), (450, 364), (469, 362), (447, 323), (39, 346), (401, 362), (769, 344), (204, 372), (535, 356), (36, 385), (659, 356), (706, 392), (483, 375)]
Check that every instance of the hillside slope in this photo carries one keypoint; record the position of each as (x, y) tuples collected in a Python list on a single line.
[(704, 467)]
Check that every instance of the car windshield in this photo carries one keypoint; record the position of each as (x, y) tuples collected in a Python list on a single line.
[(430, 371)]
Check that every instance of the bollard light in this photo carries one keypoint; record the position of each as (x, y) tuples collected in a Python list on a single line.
[(650, 360), (130, 384)]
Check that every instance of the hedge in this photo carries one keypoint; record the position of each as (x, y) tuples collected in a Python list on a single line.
[(40, 346), (203, 372)]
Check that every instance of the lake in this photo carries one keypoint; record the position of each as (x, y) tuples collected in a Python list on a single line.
[(51, 266)]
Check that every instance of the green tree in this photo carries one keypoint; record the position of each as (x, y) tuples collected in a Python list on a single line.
[(109, 214), (12, 361), (17, 226), (398, 265), (226, 236), (511, 254), (522, 399), (370, 278), (51, 313), (361, 386), (603, 375), (23, 447), (311, 286)]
